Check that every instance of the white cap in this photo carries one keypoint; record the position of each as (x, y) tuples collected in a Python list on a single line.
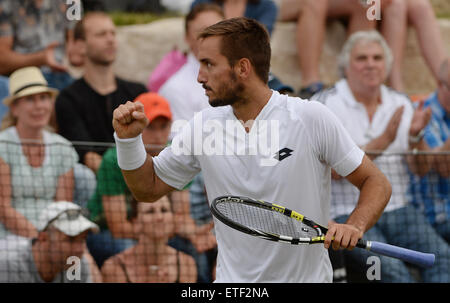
[(66, 217)]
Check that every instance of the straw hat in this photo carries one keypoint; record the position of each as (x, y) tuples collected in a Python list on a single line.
[(27, 81)]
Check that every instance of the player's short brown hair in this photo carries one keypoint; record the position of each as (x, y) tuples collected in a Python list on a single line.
[(243, 38)]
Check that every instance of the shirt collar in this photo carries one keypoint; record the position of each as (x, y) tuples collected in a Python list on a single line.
[(264, 111), (345, 91)]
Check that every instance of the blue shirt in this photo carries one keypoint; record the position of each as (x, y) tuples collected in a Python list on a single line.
[(200, 211), (3, 94), (431, 193), (264, 11)]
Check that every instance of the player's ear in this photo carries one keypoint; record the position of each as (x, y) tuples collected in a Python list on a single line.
[(243, 68)]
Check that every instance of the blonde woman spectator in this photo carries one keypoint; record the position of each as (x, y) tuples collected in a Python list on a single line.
[(152, 259), (36, 166)]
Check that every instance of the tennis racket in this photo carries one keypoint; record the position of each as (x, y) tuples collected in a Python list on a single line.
[(277, 223)]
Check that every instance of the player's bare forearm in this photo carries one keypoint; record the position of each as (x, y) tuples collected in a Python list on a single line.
[(144, 184), (375, 192)]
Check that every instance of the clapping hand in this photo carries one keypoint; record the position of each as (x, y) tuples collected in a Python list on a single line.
[(420, 119)]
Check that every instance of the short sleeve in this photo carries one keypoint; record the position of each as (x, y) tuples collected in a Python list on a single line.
[(331, 140), (435, 135), (177, 165)]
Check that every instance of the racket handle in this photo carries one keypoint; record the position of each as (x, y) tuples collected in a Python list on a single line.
[(408, 255)]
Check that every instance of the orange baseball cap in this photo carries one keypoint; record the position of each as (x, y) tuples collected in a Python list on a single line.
[(154, 106)]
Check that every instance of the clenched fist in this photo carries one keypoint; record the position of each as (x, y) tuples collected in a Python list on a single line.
[(129, 120)]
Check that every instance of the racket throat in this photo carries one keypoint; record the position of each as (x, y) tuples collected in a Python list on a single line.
[(315, 240)]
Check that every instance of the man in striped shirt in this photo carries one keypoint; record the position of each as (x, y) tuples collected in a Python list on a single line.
[(431, 192)]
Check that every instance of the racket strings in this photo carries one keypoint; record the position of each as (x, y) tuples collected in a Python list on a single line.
[(265, 220)]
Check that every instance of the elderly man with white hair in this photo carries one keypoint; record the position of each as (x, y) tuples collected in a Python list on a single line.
[(383, 120)]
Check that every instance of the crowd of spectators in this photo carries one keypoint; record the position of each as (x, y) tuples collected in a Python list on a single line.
[(62, 193)]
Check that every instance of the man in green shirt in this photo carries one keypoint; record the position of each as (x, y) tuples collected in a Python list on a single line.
[(113, 207)]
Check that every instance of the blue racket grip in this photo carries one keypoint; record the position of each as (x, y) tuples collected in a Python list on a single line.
[(408, 255)]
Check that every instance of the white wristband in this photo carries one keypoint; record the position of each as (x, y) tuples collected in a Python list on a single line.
[(131, 153)]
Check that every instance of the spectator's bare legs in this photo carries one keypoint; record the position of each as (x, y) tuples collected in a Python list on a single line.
[(394, 29), (311, 18), (289, 10), (422, 17), (311, 28), (356, 13), (358, 18)]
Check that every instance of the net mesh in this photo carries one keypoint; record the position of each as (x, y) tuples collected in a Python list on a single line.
[(26, 188)]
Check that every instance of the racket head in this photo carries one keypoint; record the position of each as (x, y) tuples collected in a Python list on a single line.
[(266, 220)]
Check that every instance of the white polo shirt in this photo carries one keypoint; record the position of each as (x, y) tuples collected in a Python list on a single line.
[(353, 116), (309, 139), (185, 95)]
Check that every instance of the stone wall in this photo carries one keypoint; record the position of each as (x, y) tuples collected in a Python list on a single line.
[(441, 7), (143, 46)]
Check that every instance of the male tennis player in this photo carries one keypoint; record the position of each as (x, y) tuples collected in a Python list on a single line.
[(235, 60)]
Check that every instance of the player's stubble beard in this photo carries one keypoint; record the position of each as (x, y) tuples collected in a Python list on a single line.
[(229, 93)]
